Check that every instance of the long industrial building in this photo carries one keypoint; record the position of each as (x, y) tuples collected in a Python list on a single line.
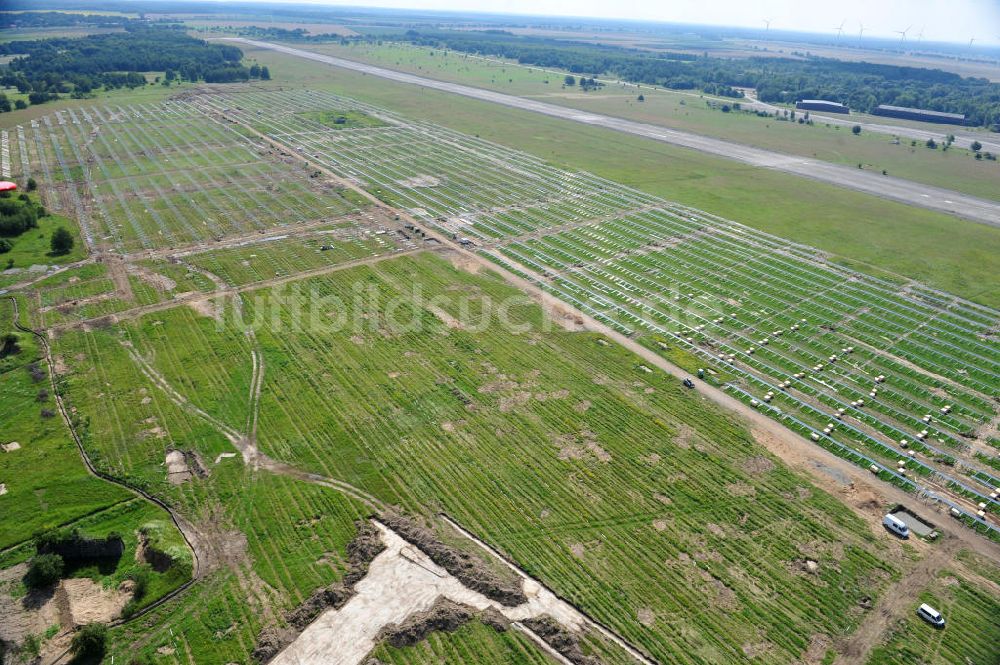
[(920, 114), (821, 105)]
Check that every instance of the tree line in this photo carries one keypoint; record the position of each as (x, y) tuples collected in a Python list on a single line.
[(860, 85), (46, 68)]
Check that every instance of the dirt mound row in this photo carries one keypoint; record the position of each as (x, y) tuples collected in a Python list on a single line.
[(445, 616), (361, 551), (471, 571), (560, 639)]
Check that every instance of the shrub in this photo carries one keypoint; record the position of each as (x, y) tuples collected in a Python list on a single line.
[(5, 246), (62, 241), (9, 345), (44, 570), (90, 641)]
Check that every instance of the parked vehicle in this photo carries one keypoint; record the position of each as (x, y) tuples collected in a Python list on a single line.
[(930, 615), (896, 526), (688, 383)]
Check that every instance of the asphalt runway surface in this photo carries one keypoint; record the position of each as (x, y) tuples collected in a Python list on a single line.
[(888, 187)]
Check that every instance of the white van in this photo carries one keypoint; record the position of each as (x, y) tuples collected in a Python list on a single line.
[(930, 615), (896, 525)]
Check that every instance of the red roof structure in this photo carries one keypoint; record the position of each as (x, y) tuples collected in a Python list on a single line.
[(7, 186)]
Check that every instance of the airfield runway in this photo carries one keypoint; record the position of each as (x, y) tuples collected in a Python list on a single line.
[(897, 189)]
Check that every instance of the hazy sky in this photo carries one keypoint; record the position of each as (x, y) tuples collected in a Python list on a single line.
[(943, 20)]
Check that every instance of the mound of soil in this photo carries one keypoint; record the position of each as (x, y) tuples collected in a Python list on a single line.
[(445, 615), (492, 617), (270, 642), (361, 551), (333, 596), (560, 639), (468, 569)]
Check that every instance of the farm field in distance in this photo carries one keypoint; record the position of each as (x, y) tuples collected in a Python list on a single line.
[(344, 371)]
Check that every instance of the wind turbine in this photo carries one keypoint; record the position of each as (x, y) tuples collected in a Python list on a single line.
[(970, 42), (861, 32), (920, 36), (902, 34), (840, 30), (767, 25)]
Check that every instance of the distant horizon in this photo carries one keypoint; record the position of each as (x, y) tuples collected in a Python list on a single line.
[(954, 23)]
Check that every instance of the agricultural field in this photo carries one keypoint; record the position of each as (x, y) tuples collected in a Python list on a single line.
[(955, 169)]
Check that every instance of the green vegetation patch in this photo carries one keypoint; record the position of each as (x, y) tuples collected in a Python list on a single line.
[(625, 492), (343, 119), (46, 482), (971, 633)]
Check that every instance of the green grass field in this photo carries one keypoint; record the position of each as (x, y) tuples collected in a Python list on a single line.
[(343, 119), (972, 614), (955, 169), (33, 247), (47, 484), (591, 474), (874, 234)]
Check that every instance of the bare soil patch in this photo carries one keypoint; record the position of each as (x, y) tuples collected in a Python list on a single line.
[(90, 603), (419, 181), (156, 280), (205, 307), (758, 465)]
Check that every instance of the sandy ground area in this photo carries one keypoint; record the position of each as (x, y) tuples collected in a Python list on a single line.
[(401, 581)]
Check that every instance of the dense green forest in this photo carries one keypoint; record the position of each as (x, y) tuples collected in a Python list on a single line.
[(860, 85), (64, 19), (46, 68)]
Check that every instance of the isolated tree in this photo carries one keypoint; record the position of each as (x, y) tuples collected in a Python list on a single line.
[(856, 129), (641, 98), (90, 641), (976, 146), (20, 104), (932, 144), (32, 185), (8, 345), (62, 241), (265, 74), (44, 570), (5, 246), (569, 80)]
